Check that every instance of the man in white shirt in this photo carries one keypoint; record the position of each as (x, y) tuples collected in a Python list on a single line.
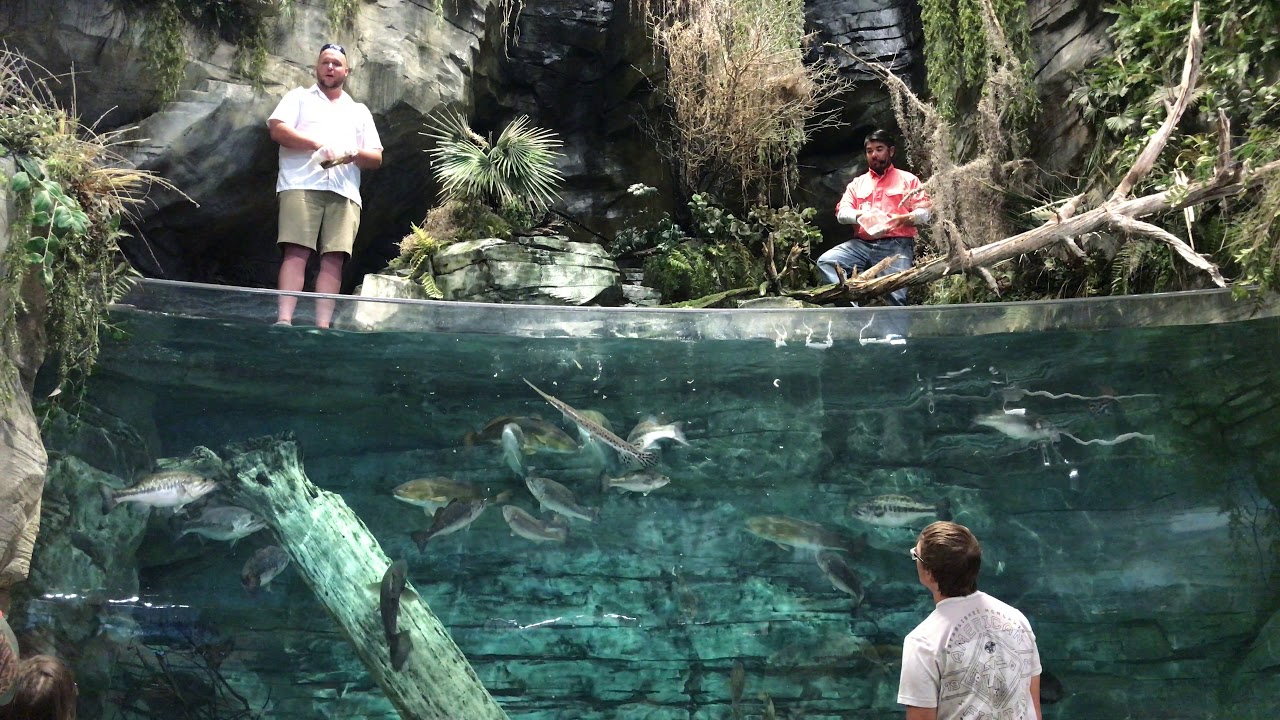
[(974, 656), (325, 139)]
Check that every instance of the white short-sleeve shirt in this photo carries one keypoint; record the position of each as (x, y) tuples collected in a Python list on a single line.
[(341, 123), (973, 657)]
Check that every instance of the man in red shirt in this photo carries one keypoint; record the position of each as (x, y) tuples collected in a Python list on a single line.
[(886, 205)]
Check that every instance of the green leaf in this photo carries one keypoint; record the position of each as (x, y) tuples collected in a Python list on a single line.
[(42, 201), (37, 245), (62, 220), (39, 219), (20, 182), (34, 259)]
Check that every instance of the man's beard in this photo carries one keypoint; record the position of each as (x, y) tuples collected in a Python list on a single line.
[(331, 84), (879, 166)]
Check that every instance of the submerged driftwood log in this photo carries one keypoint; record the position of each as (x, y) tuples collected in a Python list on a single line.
[(341, 561)]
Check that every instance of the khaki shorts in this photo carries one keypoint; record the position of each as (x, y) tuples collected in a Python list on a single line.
[(308, 215)]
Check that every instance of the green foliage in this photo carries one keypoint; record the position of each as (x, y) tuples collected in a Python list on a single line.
[(694, 268), (516, 171), (958, 53), (1125, 97), (69, 201), (721, 252), (342, 13), (414, 261), (165, 46), (55, 219)]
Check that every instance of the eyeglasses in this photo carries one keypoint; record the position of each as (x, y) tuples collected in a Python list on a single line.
[(334, 46), (915, 555)]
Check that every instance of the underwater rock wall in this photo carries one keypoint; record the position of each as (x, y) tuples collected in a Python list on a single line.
[(1137, 562)]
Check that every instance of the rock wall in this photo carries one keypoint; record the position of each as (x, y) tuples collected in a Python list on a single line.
[(583, 69), (22, 455)]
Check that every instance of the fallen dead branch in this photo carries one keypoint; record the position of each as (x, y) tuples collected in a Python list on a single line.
[(1118, 212)]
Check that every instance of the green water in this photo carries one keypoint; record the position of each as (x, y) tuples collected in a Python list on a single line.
[(1147, 567)]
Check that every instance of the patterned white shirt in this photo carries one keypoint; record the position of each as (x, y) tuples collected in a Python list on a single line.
[(341, 123), (973, 659)]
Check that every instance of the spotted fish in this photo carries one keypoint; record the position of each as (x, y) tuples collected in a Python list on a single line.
[(631, 456), (898, 510)]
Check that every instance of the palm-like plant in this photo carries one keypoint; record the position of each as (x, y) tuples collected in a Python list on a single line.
[(517, 169)]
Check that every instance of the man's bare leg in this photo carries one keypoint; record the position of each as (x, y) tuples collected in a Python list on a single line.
[(293, 272), (328, 280)]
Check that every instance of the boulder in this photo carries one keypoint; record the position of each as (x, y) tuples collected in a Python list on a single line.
[(542, 270)]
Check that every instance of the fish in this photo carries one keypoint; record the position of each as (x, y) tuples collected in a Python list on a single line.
[(262, 567), (170, 488), (884, 658), (431, 494), (558, 498), (767, 711), (785, 531), (641, 481), (389, 592), (737, 684), (1051, 690), (540, 435), (630, 455), (841, 575), (596, 417), (1020, 425), (531, 528), (225, 523), (512, 448), (648, 432), (898, 510), (453, 517)]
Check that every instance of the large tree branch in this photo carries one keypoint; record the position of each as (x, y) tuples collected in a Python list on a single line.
[(1045, 235), (1190, 71), (1137, 227)]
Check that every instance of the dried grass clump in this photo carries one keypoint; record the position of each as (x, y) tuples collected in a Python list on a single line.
[(739, 91)]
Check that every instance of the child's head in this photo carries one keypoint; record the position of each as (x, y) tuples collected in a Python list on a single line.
[(36, 688)]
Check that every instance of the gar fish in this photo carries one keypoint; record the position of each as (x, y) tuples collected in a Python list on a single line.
[(225, 523), (512, 444), (262, 567), (389, 591), (453, 517), (431, 494), (630, 455), (539, 435), (898, 510), (841, 575), (641, 481), (170, 488), (1020, 425), (531, 528), (558, 498), (648, 432), (737, 683), (787, 531)]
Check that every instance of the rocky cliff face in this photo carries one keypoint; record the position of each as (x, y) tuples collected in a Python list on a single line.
[(583, 68)]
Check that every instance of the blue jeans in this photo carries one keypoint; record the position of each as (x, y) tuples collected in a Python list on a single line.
[(859, 255)]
